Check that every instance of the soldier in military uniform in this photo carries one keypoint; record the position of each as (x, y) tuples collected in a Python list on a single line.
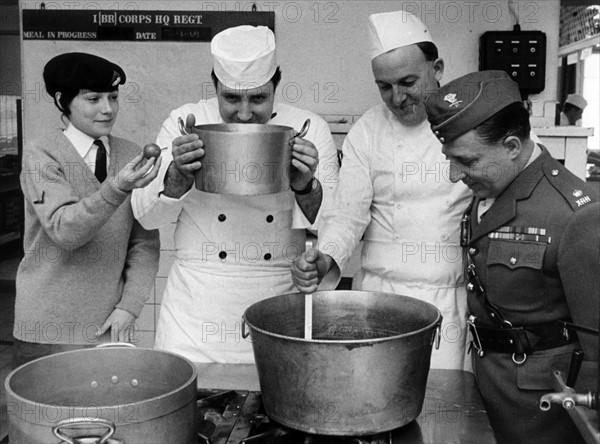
[(531, 238)]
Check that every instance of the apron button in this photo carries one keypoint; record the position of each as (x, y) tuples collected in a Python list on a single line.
[(222, 255), (222, 218), (269, 218)]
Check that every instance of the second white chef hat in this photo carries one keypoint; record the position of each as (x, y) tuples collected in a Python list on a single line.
[(576, 100), (391, 30)]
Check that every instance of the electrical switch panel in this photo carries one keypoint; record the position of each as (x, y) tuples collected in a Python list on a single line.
[(522, 54)]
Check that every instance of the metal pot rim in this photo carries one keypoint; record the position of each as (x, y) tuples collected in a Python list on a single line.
[(243, 128), (437, 321), (16, 395)]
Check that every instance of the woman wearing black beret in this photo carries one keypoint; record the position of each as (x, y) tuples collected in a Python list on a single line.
[(88, 265)]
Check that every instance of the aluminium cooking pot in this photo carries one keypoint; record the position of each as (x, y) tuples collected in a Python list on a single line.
[(245, 158), (103, 395), (363, 372)]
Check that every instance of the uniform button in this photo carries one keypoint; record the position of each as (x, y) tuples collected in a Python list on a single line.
[(398, 206), (222, 218), (399, 146), (472, 251), (444, 237), (267, 256), (222, 254), (470, 286), (555, 172), (513, 260), (269, 218), (442, 139), (399, 175)]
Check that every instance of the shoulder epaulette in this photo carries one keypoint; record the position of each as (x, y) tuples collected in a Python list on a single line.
[(575, 191)]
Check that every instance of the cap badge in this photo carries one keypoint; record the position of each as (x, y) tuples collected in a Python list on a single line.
[(451, 98), (116, 79), (577, 193)]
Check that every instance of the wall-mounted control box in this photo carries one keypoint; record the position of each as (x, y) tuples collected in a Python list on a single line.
[(522, 54)]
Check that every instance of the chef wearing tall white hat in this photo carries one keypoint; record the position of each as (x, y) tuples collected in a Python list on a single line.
[(572, 110), (395, 191), (232, 250)]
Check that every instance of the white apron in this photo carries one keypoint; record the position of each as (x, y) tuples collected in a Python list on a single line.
[(394, 187), (232, 251)]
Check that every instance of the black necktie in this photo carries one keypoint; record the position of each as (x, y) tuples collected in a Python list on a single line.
[(100, 171)]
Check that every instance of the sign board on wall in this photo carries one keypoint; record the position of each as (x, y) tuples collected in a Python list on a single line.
[(143, 26)]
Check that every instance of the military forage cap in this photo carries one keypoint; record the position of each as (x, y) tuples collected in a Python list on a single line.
[(463, 104), (73, 71)]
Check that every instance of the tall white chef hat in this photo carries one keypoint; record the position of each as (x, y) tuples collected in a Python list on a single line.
[(576, 100), (244, 56), (391, 30)]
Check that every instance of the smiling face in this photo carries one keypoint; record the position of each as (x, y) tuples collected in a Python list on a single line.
[(404, 77), (253, 105), (94, 113), (486, 168)]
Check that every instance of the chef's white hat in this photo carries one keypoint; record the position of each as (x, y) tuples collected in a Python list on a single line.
[(391, 30), (244, 56), (576, 100)]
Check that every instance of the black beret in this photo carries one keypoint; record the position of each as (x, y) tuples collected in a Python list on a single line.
[(73, 71), (463, 104)]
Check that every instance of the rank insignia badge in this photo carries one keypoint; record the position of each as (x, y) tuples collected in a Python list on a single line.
[(452, 100)]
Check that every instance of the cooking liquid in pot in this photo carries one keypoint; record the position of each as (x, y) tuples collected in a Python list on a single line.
[(347, 323)]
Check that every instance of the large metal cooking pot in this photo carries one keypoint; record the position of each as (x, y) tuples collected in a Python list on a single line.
[(103, 395), (364, 371), (246, 159)]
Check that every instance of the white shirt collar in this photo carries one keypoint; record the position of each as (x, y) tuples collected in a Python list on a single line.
[(81, 141)]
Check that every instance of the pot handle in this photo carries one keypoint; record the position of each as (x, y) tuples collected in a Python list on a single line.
[(116, 345), (302, 132), (182, 128), (437, 336), (245, 331), (78, 422)]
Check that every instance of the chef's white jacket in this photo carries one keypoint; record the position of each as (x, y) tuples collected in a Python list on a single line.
[(394, 188), (231, 251)]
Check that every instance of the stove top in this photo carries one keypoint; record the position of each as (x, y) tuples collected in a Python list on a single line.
[(232, 417)]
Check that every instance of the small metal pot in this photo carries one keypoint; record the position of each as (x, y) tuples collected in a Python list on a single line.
[(103, 395), (246, 159), (363, 372)]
